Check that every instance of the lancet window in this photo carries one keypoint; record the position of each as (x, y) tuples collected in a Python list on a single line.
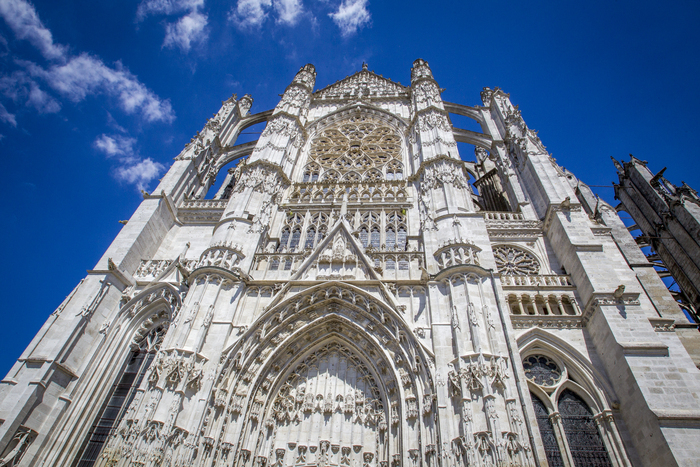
[(357, 149), (394, 232), (295, 235), (121, 395), (564, 413)]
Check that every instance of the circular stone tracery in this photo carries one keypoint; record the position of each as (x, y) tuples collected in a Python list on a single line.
[(513, 261), (542, 370), (356, 145)]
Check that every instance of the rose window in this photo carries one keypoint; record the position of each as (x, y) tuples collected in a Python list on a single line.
[(512, 261), (542, 370), (357, 149)]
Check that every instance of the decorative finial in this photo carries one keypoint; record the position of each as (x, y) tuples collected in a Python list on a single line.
[(364, 66)]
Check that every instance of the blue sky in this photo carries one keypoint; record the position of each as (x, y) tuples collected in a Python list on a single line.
[(97, 98)]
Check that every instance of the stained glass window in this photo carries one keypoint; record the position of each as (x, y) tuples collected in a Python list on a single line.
[(549, 440), (121, 396), (541, 370), (585, 443)]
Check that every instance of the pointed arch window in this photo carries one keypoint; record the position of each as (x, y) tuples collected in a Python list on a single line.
[(121, 395), (310, 237), (364, 236), (584, 440), (401, 239), (549, 439), (374, 239), (568, 416), (294, 242), (284, 238), (390, 239)]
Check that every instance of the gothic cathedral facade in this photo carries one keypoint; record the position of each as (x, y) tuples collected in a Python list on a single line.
[(358, 295)]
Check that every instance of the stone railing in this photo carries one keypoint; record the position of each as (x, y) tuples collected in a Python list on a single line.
[(543, 303), (553, 281), (503, 216), (204, 204)]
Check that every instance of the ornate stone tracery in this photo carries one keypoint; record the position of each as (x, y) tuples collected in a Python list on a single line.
[(358, 148), (515, 261)]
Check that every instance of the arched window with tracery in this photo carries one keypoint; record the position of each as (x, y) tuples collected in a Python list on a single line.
[(584, 440), (357, 145), (374, 239), (549, 439), (121, 395), (584, 445)]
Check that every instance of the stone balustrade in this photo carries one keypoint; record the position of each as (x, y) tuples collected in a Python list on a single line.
[(536, 281)]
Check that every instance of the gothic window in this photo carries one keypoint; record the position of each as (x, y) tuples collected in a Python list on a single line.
[(310, 237), (585, 443), (374, 239), (364, 236), (403, 263), (541, 370), (284, 238), (275, 264), (390, 239), (513, 261), (549, 439), (390, 263), (121, 395), (294, 242), (394, 171), (311, 173), (401, 238), (288, 264), (359, 144)]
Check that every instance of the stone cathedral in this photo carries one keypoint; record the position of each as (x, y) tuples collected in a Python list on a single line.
[(360, 294)]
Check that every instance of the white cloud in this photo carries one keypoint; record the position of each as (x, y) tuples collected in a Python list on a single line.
[(116, 145), (139, 174), (86, 75), (166, 7), (288, 11), (351, 16), (131, 168), (250, 14), (7, 117), (22, 89), (41, 101), (75, 77), (188, 29), (24, 21)]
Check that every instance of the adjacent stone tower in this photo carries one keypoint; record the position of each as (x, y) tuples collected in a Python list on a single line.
[(357, 294)]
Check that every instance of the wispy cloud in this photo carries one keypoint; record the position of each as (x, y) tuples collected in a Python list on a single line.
[(188, 29), (249, 14), (116, 146), (288, 11), (25, 23), (166, 7), (351, 16), (7, 117), (86, 75), (74, 77), (130, 167)]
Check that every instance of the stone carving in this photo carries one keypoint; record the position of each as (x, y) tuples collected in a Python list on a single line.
[(363, 85), (262, 177), (360, 148), (514, 261)]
